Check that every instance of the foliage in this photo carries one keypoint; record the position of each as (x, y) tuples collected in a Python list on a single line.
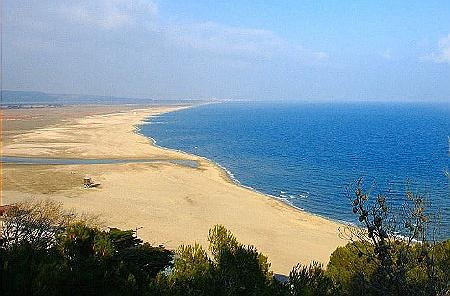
[(191, 274), (234, 269), (48, 251), (311, 280), (221, 239), (73, 258), (389, 263), (35, 222), (358, 274), (350, 269)]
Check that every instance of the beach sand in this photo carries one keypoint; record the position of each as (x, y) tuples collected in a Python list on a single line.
[(168, 203)]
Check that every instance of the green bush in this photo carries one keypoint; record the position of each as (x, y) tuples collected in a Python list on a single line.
[(234, 269), (358, 273), (311, 281), (191, 274), (351, 271), (82, 261), (47, 255)]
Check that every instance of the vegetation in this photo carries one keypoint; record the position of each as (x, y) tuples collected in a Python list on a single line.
[(234, 269), (397, 253), (45, 250)]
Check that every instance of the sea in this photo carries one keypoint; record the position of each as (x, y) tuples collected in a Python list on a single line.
[(310, 155)]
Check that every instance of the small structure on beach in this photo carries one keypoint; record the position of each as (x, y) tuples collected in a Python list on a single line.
[(87, 182)]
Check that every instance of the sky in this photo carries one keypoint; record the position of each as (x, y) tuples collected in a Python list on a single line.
[(314, 50)]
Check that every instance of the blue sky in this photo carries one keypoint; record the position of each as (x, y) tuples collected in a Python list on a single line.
[(268, 50)]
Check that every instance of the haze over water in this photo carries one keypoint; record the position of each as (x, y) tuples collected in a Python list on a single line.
[(307, 154)]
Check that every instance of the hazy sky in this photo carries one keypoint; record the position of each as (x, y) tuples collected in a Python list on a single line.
[(299, 49)]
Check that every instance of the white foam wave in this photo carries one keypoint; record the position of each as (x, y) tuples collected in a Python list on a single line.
[(231, 175), (303, 195)]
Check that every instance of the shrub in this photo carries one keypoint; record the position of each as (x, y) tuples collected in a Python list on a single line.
[(44, 254), (311, 280), (191, 273), (234, 269), (387, 263), (351, 271)]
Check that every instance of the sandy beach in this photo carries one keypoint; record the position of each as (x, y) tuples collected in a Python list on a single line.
[(168, 203)]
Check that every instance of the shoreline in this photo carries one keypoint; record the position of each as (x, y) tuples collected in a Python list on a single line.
[(229, 176), (175, 205)]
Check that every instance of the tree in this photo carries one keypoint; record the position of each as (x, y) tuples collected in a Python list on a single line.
[(36, 222), (350, 269), (234, 269), (192, 273), (311, 281), (398, 243), (70, 257)]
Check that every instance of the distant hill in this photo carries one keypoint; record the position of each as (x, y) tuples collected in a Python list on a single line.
[(27, 97), (13, 98)]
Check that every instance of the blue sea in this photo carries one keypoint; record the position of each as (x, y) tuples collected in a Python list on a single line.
[(308, 154)]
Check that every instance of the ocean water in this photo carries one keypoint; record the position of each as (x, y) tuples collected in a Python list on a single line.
[(308, 154)]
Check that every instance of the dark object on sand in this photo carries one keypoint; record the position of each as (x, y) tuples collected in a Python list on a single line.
[(87, 182)]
